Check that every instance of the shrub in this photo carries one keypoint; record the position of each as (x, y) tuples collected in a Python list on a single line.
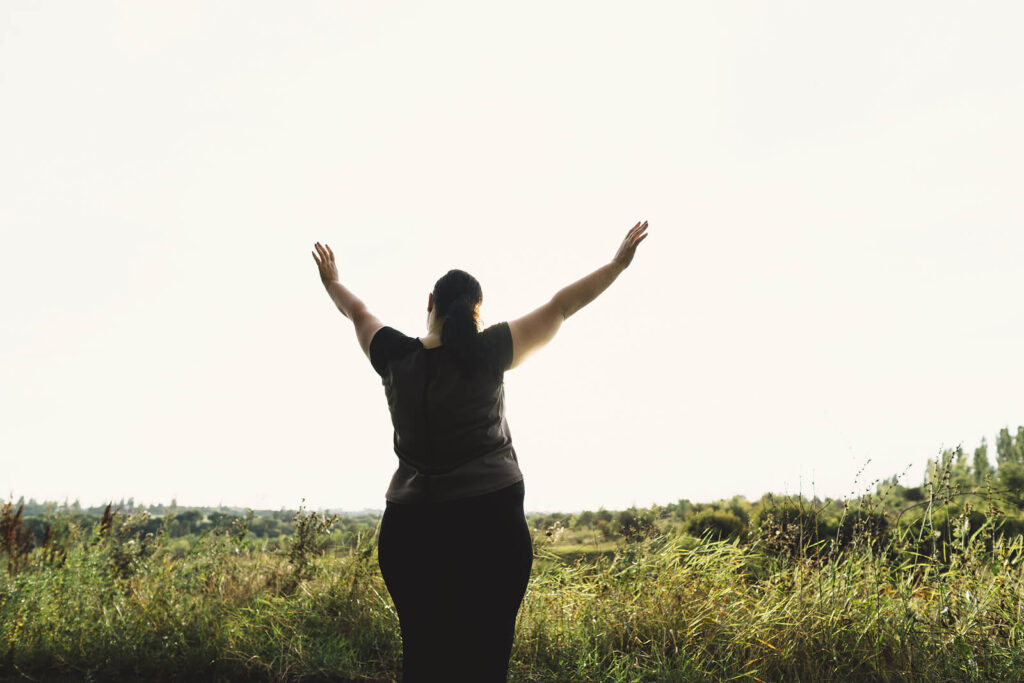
[(715, 524), (309, 540), (789, 526)]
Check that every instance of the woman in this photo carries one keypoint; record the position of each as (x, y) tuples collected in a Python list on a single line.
[(454, 547)]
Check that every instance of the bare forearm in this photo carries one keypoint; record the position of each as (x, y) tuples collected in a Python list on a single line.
[(586, 289), (346, 301)]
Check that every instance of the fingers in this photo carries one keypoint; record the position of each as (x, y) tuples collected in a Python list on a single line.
[(315, 258), (637, 236), (326, 255), (631, 238), (637, 229)]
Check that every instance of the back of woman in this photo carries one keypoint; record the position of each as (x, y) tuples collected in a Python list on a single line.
[(444, 417), (454, 546)]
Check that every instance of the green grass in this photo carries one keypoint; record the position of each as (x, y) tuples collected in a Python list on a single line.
[(664, 607)]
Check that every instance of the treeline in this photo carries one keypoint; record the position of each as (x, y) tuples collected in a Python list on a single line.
[(958, 488), (27, 525), (35, 509)]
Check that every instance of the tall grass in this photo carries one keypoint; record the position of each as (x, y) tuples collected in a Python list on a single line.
[(116, 605), (724, 611)]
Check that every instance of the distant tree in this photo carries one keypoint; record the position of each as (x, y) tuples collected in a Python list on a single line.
[(222, 520), (741, 508), (788, 524), (189, 522), (1011, 481), (1010, 465), (633, 523), (870, 527), (1007, 449), (683, 508), (951, 462), (955, 460), (894, 480), (913, 494), (981, 467), (584, 519), (716, 524)]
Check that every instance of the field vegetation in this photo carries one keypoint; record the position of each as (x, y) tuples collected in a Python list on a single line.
[(920, 583)]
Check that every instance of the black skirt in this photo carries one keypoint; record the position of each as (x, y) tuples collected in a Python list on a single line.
[(457, 572)]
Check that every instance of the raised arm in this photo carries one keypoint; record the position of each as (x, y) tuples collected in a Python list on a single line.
[(349, 304), (535, 329)]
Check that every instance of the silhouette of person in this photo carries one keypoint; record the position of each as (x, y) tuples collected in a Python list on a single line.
[(454, 546)]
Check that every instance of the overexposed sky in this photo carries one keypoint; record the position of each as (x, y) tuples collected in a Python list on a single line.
[(832, 282)]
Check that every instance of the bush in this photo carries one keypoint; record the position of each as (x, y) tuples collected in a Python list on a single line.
[(634, 524), (310, 539), (790, 526), (870, 527), (715, 524)]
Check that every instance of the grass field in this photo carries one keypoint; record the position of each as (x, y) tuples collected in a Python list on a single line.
[(658, 607)]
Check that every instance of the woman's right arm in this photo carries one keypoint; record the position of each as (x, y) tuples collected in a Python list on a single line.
[(535, 329)]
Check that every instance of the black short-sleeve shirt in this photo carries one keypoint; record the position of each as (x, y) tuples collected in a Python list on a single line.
[(450, 432), (388, 344)]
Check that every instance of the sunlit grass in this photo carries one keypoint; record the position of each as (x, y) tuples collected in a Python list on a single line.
[(658, 607)]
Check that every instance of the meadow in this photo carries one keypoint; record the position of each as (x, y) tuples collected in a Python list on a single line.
[(782, 589)]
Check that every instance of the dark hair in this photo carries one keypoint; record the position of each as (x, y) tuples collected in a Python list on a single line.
[(457, 298)]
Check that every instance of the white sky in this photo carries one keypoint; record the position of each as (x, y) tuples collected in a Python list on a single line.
[(832, 276)]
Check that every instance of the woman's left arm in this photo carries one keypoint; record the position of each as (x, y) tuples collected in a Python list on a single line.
[(348, 303)]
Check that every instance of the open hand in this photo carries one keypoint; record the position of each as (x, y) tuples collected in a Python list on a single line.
[(636, 235), (328, 271)]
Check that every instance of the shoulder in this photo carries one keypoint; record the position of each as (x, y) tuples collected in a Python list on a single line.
[(497, 332), (387, 344), (499, 339)]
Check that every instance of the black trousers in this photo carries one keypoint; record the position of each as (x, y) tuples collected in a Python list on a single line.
[(457, 572)]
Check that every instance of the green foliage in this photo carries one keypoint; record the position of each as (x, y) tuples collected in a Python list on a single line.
[(868, 526), (913, 494), (790, 526), (634, 524), (715, 524), (981, 467), (124, 542), (584, 519), (659, 607), (919, 583), (1011, 480), (222, 611), (1009, 449), (311, 531)]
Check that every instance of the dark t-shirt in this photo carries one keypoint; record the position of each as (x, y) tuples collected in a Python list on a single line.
[(450, 432)]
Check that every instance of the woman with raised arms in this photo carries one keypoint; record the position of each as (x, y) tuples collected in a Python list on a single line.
[(458, 478)]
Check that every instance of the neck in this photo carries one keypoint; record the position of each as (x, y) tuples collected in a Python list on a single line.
[(434, 328)]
